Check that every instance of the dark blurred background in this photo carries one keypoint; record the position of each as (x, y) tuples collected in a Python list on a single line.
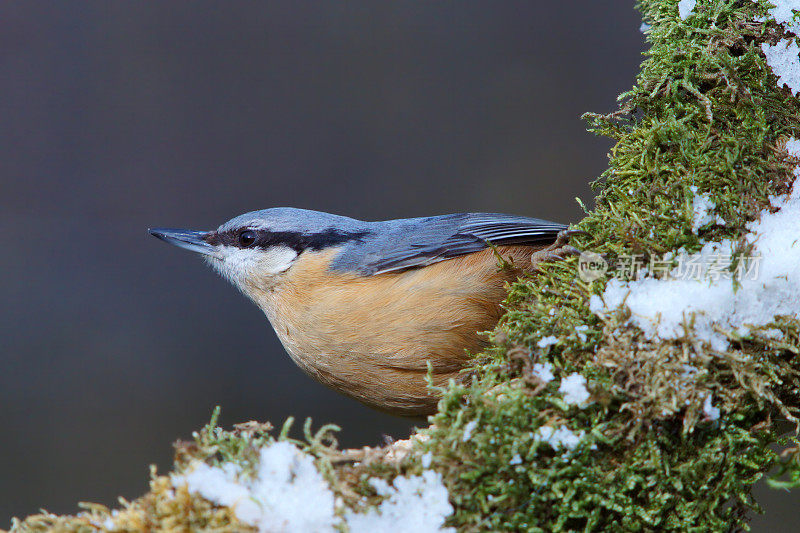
[(117, 116)]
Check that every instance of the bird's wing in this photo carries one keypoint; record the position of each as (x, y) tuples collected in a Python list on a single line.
[(418, 242)]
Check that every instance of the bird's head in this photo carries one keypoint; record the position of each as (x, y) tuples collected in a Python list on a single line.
[(253, 251)]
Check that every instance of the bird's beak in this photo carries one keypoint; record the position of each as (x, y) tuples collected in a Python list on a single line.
[(186, 238)]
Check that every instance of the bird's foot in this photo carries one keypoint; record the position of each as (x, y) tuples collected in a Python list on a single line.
[(560, 249)]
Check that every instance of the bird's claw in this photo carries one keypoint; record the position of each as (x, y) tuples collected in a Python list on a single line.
[(564, 236), (560, 249)]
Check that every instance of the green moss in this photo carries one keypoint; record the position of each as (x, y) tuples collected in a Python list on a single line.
[(705, 111), (665, 480)]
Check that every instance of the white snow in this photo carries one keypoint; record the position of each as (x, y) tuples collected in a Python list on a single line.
[(701, 286), (580, 330), (793, 147), (416, 503), (685, 8), (703, 211), (561, 437), (543, 371), (772, 333), (468, 429), (784, 61), (711, 412), (515, 460), (287, 493), (108, 524), (783, 13), (426, 459), (544, 342), (573, 387)]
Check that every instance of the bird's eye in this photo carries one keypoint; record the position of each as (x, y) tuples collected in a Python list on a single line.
[(247, 238)]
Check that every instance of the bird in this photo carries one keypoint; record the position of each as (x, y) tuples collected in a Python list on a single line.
[(372, 309)]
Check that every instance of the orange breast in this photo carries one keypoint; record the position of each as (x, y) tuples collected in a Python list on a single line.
[(372, 337)]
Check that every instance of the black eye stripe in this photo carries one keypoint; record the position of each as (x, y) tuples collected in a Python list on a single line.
[(296, 240)]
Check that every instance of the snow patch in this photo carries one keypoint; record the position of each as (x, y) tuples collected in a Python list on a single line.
[(703, 211), (771, 286), (416, 503), (287, 493), (543, 371), (783, 13), (426, 459), (685, 8), (561, 437), (784, 61), (711, 412), (468, 429), (544, 342), (793, 147), (573, 387)]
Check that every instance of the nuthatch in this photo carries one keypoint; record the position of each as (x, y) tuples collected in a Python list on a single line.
[(364, 306)]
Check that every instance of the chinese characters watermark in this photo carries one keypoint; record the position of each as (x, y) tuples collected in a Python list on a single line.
[(715, 266)]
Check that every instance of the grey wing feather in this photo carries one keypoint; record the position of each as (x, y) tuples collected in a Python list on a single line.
[(402, 244)]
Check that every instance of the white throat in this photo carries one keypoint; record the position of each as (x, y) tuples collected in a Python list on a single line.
[(252, 268)]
